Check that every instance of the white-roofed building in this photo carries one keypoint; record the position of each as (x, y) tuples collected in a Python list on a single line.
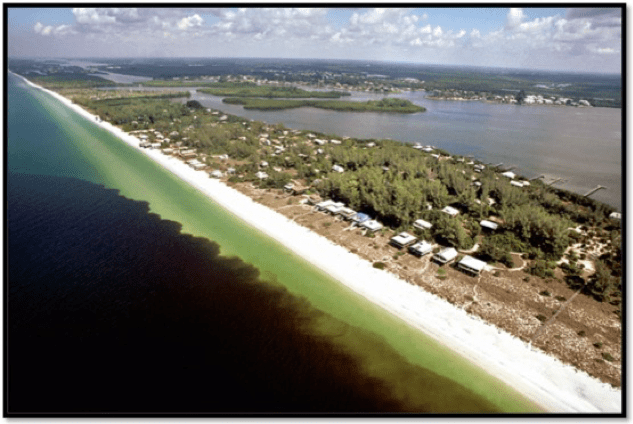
[(489, 225), (471, 265), (421, 248), (509, 174), (403, 239), (450, 210), (422, 224), (445, 255), (372, 225)]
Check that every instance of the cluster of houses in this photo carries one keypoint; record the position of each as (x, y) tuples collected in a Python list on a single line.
[(405, 240)]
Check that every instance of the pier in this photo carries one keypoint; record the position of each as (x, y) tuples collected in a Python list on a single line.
[(592, 191)]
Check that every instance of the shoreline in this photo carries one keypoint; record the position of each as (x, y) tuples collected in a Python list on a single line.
[(533, 373)]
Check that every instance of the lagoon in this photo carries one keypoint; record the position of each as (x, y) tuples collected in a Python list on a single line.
[(581, 146)]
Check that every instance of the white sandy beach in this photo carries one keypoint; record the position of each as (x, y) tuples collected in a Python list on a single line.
[(542, 378)]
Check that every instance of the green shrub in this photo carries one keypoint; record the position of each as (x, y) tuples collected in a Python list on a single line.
[(607, 357), (545, 293), (582, 333), (541, 317), (598, 345), (379, 265)]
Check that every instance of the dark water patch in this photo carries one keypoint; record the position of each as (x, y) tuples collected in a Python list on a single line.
[(112, 309)]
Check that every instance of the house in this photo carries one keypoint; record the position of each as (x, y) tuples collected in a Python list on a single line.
[(156, 145), (471, 265), (337, 168), (371, 225), (347, 213), (335, 141), (334, 208), (615, 215), (450, 210), (231, 171), (261, 175), (403, 239), (509, 174), (359, 218), (320, 142), (489, 225), (422, 224), (516, 184), (216, 174), (289, 187), (421, 248), (479, 168), (324, 204), (446, 255), (264, 164)]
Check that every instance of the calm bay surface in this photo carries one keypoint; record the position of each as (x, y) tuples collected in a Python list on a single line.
[(130, 291), (582, 146)]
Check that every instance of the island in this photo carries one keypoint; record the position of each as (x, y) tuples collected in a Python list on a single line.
[(384, 105)]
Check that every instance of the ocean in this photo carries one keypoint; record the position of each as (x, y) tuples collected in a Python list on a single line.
[(130, 292)]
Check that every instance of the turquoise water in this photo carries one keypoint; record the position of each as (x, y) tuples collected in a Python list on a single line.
[(46, 138)]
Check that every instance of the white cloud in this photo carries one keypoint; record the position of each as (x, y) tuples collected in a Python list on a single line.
[(39, 28), (190, 22), (515, 17)]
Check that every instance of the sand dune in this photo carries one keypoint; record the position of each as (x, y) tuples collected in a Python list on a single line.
[(542, 378)]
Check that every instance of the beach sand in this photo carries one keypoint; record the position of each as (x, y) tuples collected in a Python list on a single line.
[(547, 381)]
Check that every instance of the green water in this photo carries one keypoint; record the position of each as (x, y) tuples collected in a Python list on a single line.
[(365, 330)]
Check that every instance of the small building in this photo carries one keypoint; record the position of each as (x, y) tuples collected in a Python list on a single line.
[(471, 265), (231, 171), (144, 144), (371, 225), (403, 239), (347, 213), (450, 210), (421, 248), (334, 208), (422, 224), (615, 215), (263, 164), (168, 151), (509, 174), (289, 187), (445, 255), (261, 175), (320, 142), (324, 204), (360, 217), (156, 145), (335, 141), (216, 174), (479, 168), (492, 226), (337, 168), (516, 184)]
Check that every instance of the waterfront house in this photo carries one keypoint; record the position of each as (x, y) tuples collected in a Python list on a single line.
[(360, 217), (492, 226), (320, 142), (516, 184), (371, 225), (324, 204), (335, 208), (471, 265), (445, 255), (615, 215), (347, 213), (261, 175), (421, 248), (216, 174), (509, 174), (422, 224), (403, 239), (335, 141), (450, 210)]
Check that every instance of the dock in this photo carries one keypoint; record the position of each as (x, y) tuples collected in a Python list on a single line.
[(592, 191)]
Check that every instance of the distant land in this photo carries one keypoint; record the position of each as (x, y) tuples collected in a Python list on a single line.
[(603, 90)]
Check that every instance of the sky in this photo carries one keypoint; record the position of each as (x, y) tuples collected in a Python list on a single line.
[(557, 39)]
